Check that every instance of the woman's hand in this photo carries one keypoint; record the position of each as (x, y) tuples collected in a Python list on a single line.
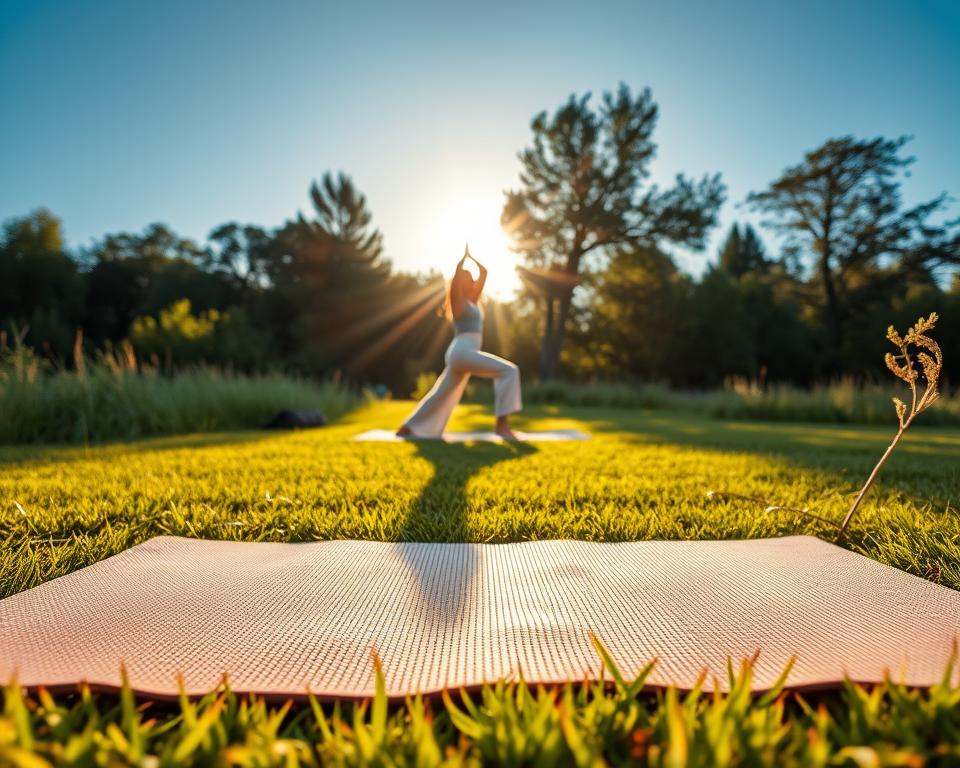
[(468, 255), (478, 284)]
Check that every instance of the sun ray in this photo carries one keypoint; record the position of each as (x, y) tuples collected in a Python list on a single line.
[(373, 351), (475, 219), (388, 314)]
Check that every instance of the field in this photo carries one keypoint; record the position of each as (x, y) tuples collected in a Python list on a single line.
[(644, 475)]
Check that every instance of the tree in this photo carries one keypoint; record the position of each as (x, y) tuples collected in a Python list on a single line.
[(715, 339), (783, 344), (344, 219), (41, 290), (176, 335), (243, 254), (742, 253), (329, 248), (841, 211), (328, 274), (584, 193), (140, 274), (636, 314)]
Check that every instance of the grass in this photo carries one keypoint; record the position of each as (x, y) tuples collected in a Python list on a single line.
[(506, 724), (644, 475), (112, 402)]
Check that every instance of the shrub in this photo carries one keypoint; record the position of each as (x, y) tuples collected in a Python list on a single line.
[(176, 334)]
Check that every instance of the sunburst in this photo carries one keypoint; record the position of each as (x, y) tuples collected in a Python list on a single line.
[(474, 219)]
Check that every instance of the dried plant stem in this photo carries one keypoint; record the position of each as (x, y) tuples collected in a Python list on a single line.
[(931, 365), (866, 486), (768, 506), (903, 367)]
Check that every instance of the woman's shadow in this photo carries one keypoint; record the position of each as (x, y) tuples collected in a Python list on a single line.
[(444, 574)]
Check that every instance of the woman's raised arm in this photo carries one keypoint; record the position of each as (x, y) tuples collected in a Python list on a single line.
[(479, 282)]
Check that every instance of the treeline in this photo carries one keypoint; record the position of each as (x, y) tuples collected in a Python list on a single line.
[(593, 231), (314, 296), (602, 298), (748, 316)]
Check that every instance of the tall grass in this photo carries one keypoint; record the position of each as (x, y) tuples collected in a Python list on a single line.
[(112, 398), (839, 402), (115, 397)]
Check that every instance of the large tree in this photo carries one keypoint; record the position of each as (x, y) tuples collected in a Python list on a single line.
[(328, 272), (742, 252), (340, 238), (41, 291), (842, 214), (635, 317), (35, 270), (585, 191), (242, 253)]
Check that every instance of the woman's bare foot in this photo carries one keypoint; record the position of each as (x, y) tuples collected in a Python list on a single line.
[(404, 431), (503, 429)]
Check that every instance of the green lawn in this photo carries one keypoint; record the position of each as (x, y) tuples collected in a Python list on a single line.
[(644, 475)]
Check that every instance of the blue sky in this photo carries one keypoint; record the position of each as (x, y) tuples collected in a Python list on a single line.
[(117, 114)]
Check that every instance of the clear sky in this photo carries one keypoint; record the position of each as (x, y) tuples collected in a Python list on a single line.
[(193, 112)]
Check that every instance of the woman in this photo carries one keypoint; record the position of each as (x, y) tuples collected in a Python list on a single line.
[(463, 359)]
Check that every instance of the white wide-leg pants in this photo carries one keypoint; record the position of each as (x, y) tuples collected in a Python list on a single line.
[(464, 359)]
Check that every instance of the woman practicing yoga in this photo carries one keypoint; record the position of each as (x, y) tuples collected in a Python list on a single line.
[(463, 359)]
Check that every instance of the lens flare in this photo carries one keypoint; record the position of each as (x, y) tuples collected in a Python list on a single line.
[(475, 220)]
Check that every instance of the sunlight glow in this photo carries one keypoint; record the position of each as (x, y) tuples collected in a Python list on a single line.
[(474, 220)]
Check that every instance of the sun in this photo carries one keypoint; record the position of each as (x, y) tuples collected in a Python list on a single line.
[(475, 220)]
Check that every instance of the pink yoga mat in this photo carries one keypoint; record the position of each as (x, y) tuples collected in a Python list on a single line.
[(280, 619)]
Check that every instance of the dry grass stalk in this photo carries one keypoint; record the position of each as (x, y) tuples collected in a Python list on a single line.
[(903, 366), (915, 347), (79, 362), (769, 506)]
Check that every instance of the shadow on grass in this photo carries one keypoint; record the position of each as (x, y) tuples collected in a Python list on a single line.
[(36, 454), (444, 575), (440, 512), (852, 449), (770, 437)]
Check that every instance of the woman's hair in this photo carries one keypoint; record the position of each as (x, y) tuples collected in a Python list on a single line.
[(455, 283)]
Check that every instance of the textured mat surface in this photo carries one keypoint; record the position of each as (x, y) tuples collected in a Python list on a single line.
[(389, 436), (279, 618)]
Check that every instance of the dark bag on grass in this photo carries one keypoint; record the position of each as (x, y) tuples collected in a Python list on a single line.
[(296, 420)]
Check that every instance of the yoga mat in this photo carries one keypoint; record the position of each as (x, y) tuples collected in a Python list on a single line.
[(556, 435), (281, 618)]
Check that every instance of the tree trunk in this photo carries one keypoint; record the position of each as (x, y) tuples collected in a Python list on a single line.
[(545, 345), (553, 338), (556, 327), (829, 286), (833, 303)]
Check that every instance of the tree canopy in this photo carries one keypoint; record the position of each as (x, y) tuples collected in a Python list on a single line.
[(841, 212), (584, 193), (742, 251)]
